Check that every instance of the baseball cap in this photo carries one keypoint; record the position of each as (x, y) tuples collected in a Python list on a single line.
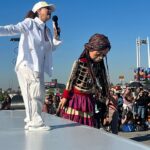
[(42, 4)]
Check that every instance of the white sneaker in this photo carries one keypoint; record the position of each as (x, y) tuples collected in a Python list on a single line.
[(30, 124), (26, 127), (26, 120), (40, 128)]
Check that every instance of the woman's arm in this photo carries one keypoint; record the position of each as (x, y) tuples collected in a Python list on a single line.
[(55, 42), (123, 120), (21, 27)]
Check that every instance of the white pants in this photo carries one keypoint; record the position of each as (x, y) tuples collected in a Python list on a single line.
[(32, 89)]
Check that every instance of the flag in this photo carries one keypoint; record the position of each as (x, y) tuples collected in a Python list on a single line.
[(143, 42), (140, 42)]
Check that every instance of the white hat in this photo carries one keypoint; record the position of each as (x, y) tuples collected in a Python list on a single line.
[(42, 4)]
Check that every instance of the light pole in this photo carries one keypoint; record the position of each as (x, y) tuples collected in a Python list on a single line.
[(139, 43), (15, 49)]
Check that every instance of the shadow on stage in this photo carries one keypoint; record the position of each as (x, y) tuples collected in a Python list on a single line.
[(65, 126), (141, 138)]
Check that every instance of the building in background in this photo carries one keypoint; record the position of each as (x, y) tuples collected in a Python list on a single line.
[(54, 87)]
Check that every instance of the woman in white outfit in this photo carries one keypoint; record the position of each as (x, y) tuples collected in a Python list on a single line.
[(34, 58)]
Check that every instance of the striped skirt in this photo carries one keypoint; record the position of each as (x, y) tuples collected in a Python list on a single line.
[(80, 108)]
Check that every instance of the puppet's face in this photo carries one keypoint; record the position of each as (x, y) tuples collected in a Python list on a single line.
[(97, 56)]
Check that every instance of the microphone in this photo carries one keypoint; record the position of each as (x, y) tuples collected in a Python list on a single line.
[(55, 25)]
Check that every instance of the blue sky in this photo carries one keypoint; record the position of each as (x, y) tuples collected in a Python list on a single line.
[(121, 20)]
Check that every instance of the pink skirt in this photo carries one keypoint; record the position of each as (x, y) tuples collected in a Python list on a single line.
[(80, 108)]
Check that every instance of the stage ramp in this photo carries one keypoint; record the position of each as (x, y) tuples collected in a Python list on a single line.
[(65, 135)]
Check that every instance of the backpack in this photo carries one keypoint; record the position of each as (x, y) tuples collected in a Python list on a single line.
[(128, 128)]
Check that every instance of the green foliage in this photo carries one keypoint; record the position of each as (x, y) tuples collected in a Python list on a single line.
[(147, 82)]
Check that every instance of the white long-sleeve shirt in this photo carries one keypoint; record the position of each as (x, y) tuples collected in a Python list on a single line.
[(32, 45)]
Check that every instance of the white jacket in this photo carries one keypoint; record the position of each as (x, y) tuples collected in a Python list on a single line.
[(31, 43)]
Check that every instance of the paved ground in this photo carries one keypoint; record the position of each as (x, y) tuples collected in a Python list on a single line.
[(143, 136)]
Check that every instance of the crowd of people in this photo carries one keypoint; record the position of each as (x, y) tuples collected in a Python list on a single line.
[(128, 110), (134, 111)]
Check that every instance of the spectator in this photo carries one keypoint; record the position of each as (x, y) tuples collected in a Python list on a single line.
[(141, 105), (127, 123), (100, 110), (113, 112), (128, 100), (6, 103), (56, 100), (48, 105)]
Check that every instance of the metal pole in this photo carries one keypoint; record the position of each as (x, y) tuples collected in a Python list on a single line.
[(137, 60), (148, 51), (139, 52)]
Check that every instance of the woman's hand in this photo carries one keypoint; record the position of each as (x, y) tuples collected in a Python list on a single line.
[(56, 33), (36, 76), (62, 103)]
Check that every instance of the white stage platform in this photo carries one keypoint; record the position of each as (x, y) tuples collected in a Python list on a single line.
[(65, 135)]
